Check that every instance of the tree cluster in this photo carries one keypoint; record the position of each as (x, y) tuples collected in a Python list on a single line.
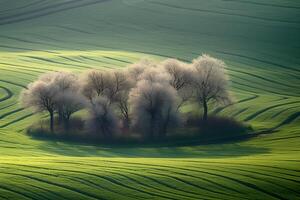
[(145, 98)]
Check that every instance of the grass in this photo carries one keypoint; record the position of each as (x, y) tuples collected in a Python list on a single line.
[(257, 39)]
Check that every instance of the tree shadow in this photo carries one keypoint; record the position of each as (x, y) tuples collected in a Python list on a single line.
[(147, 151)]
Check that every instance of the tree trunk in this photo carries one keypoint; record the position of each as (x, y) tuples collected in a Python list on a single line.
[(205, 110), (51, 121), (126, 122), (151, 131), (165, 124), (66, 123), (60, 117)]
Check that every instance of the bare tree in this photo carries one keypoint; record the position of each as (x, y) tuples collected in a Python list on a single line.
[(120, 94), (153, 101), (66, 82), (97, 83), (69, 102), (210, 82), (101, 117), (181, 79), (41, 96), (113, 85)]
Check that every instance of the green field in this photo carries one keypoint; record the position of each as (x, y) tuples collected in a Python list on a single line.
[(260, 42)]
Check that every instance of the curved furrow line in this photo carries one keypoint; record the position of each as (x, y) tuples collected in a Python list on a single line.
[(257, 178), (157, 189), (242, 182), (225, 13), (12, 83), (56, 62), (13, 104), (283, 110), (46, 11), (285, 138), (113, 181), (26, 49), (90, 182), (70, 59), (218, 110), (190, 184), (239, 112), (260, 61), (254, 115), (95, 60), (72, 189), (270, 176), (15, 191), (246, 184), (97, 186), (115, 59), (250, 185), (209, 181), (17, 72), (243, 164), (129, 170), (55, 194), (263, 169), (8, 95), (264, 4), (16, 120), (185, 192), (264, 78), (24, 6), (250, 89), (119, 183), (27, 68), (255, 170), (225, 177), (43, 37), (258, 86), (32, 194), (11, 112), (75, 30), (28, 41), (288, 120)]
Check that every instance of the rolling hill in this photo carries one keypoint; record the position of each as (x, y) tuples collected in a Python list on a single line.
[(258, 40)]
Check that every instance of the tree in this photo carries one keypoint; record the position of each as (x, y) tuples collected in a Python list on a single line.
[(113, 85), (101, 120), (68, 102), (153, 103), (41, 96), (66, 82), (97, 83), (181, 79), (94, 83), (210, 82)]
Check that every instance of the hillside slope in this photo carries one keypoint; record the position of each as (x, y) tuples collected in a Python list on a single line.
[(258, 40)]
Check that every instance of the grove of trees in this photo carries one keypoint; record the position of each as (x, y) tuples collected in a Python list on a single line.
[(145, 98)]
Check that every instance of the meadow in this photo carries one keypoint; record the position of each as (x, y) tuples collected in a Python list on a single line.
[(258, 40)]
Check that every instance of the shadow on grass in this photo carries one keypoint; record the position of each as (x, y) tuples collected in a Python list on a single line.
[(189, 141), (196, 151)]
